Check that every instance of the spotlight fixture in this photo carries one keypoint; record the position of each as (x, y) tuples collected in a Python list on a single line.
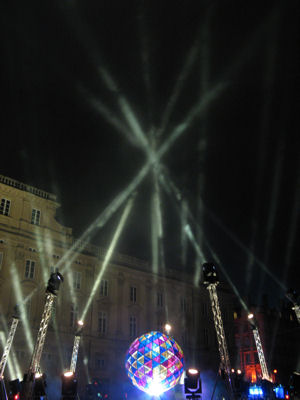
[(39, 389), (54, 282), (192, 384), (69, 386), (210, 275)]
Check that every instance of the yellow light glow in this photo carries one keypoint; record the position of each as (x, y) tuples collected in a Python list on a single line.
[(193, 371), (68, 373)]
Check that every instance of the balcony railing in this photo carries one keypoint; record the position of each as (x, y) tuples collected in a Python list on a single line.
[(27, 188)]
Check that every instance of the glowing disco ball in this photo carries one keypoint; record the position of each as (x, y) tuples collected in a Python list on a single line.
[(154, 363)]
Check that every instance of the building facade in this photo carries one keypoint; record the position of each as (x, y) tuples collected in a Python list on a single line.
[(119, 302)]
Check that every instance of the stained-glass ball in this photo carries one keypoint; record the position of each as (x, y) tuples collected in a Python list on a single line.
[(154, 362)]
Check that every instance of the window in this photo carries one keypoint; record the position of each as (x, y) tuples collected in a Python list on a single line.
[(77, 280), (183, 304), (104, 287), (133, 294), (99, 361), (4, 207), (132, 326), (35, 217), (159, 299), (1, 259), (102, 322), (73, 315), (29, 269)]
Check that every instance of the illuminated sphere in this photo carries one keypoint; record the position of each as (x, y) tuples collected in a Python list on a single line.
[(154, 363)]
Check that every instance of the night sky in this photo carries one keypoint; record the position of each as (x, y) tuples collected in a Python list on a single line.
[(240, 154)]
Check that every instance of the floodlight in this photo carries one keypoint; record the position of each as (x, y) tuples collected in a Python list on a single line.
[(192, 383), (69, 386), (14, 387), (39, 385), (210, 275), (68, 374), (54, 282)]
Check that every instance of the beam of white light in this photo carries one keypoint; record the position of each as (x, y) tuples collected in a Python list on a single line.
[(109, 116), (114, 205), (268, 81), (172, 190), (274, 198), (195, 113), (223, 270), (292, 236), (183, 222), (21, 303), (126, 110), (190, 59), (244, 248), (108, 255)]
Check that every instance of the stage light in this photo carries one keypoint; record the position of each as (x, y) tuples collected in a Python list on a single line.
[(80, 323), (54, 282), (192, 383), (250, 316), (210, 275), (39, 385), (256, 391), (69, 386), (15, 388), (68, 374)]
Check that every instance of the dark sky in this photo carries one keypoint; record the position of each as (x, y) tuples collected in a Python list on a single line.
[(243, 147)]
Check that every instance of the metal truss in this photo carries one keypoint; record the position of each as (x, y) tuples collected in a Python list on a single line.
[(75, 354), (9, 341), (261, 356), (224, 356), (38, 348)]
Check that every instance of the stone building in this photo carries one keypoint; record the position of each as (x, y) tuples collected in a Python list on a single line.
[(128, 301)]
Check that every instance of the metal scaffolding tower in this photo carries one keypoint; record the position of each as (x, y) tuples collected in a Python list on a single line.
[(224, 356), (34, 368), (9, 341), (38, 348), (260, 351), (76, 348), (261, 356), (210, 282), (4, 358)]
